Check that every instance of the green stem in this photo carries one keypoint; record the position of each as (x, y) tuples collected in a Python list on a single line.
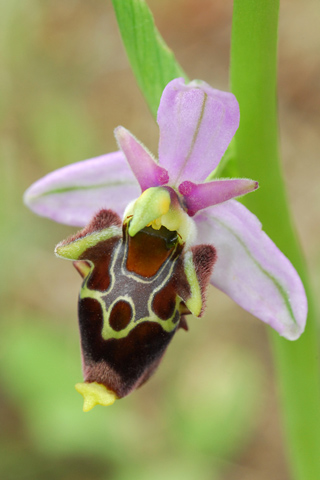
[(254, 82)]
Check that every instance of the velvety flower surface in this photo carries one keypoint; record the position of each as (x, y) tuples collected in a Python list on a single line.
[(170, 194)]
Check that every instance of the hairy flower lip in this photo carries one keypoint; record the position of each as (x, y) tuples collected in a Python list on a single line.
[(196, 125), (133, 294)]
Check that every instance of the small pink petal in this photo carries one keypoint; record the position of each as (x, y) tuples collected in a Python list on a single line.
[(203, 195), (143, 165), (252, 270), (196, 124), (73, 194)]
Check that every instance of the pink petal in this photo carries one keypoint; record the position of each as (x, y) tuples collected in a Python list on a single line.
[(203, 195), (196, 124), (73, 194), (146, 170), (252, 270)]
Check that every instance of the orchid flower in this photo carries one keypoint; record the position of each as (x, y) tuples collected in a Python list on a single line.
[(178, 233)]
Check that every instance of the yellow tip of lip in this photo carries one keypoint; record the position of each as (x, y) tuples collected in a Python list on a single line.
[(95, 394)]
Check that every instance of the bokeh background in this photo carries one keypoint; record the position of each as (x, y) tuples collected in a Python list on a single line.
[(211, 411)]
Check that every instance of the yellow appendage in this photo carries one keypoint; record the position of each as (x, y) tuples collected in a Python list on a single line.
[(148, 209), (95, 394)]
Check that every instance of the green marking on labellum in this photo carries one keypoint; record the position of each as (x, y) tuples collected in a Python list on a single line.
[(194, 303), (75, 249)]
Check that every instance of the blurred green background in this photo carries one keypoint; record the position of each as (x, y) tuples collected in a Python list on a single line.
[(211, 410)]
